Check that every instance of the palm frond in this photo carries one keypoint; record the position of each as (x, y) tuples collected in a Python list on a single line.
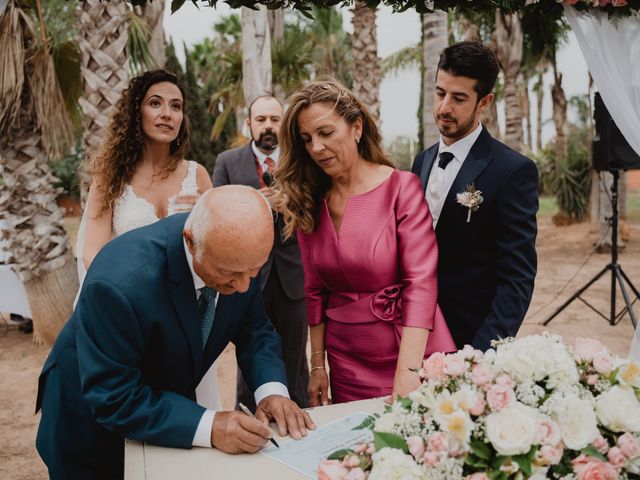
[(140, 58), (403, 59), (15, 25), (50, 106), (218, 125), (66, 60)]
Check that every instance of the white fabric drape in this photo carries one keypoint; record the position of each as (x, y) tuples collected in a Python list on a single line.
[(612, 52), (611, 49)]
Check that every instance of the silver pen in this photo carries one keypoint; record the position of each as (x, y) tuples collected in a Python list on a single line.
[(248, 412)]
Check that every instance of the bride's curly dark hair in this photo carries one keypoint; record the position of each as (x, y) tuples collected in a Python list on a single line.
[(121, 150)]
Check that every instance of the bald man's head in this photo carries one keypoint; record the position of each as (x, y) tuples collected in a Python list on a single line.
[(230, 234)]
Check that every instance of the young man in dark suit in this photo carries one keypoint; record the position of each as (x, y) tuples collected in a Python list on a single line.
[(158, 305), (483, 199), (282, 278)]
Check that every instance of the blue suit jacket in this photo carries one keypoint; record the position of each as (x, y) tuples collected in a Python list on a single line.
[(128, 361), (486, 267)]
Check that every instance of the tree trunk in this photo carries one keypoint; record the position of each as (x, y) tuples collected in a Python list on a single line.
[(153, 14), (256, 53), (102, 40), (470, 31), (37, 242), (525, 105), (539, 89), (276, 29), (367, 73), (509, 43), (559, 113), (435, 34)]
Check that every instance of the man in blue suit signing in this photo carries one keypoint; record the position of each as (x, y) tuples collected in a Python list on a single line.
[(483, 198), (158, 306)]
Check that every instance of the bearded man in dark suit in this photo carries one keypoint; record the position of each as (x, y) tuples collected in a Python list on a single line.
[(282, 277), (483, 199)]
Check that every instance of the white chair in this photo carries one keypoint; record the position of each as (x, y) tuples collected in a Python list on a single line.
[(13, 296)]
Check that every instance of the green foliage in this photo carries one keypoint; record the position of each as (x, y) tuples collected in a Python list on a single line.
[(340, 454), (390, 440), (66, 169), (569, 180), (368, 423), (138, 53)]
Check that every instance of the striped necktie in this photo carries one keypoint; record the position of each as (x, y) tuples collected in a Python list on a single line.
[(207, 309)]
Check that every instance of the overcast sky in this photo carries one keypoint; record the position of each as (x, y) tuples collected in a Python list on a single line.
[(398, 93)]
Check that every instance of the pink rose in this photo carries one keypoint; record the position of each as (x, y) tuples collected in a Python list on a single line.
[(438, 442), (585, 348), (416, 446), (356, 474), (602, 363), (628, 445), (361, 448), (480, 374), (371, 450), (431, 459), (616, 457), (570, 2), (548, 432), (592, 379), (505, 380), (477, 476), (332, 470), (590, 468), (601, 444), (551, 455), (351, 461), (454, 365), (479, 405), (618, 3), (500, 397), (433, 367), (470, 353)]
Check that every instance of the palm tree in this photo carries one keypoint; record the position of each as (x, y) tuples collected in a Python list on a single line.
[(153, 15), (256, 53), (509, 46), (367, 73), (35, 126)]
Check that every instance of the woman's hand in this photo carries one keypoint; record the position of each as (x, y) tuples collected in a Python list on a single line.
[(318, 387), (404, 382)]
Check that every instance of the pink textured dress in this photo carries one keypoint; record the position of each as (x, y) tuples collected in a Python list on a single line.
[(377, 275)]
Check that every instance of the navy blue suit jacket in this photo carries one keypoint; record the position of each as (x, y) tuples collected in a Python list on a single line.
[(128, 361), (486, 267)]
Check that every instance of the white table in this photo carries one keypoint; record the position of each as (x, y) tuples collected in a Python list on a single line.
[(150, 462)]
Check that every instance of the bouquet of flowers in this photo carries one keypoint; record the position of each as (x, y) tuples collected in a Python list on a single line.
[(529, 408)]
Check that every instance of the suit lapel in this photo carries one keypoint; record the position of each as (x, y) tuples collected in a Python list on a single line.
[(218, 338), (182, 291), (248, 162), (475, 163), (427, 163)]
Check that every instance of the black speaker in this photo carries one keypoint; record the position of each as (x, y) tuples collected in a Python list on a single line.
[(611, 151)]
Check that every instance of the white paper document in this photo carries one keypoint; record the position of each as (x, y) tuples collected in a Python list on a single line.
[(305, 455)]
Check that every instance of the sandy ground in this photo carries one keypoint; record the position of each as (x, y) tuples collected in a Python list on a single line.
[(562, 251)]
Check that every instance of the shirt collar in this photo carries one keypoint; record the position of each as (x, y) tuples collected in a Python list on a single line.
[(198, 283), (275, 155), (462, 147)]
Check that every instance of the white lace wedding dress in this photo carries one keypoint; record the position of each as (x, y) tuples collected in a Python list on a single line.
[(131, 212)]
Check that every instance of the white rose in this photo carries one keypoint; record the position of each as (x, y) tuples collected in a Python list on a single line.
[(391, 464), (619, 410), (385, 423), (512, 430), (577, 421)]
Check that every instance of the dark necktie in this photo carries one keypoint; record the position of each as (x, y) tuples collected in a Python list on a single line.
[(445, 158), (207, 310)]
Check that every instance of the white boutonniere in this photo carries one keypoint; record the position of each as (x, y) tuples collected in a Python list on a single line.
[(471, 199)]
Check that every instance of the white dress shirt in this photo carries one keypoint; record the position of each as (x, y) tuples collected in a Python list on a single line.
[(275, 155), (440, 180), (202, 437)]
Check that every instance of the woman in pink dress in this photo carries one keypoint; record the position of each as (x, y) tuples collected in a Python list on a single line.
[(368, 249)]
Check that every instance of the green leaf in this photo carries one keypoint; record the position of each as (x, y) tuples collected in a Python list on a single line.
[(405, 402), (176, 4), (340, 454), (476, 462), (497, 463), (524, 462), (480, 449), (390, 440), (593, 452), (368, 422)]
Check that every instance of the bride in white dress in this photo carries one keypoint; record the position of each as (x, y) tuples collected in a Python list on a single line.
[(140, 176)]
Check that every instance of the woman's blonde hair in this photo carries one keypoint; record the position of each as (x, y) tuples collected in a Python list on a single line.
[(300, 184), (121, 151)]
